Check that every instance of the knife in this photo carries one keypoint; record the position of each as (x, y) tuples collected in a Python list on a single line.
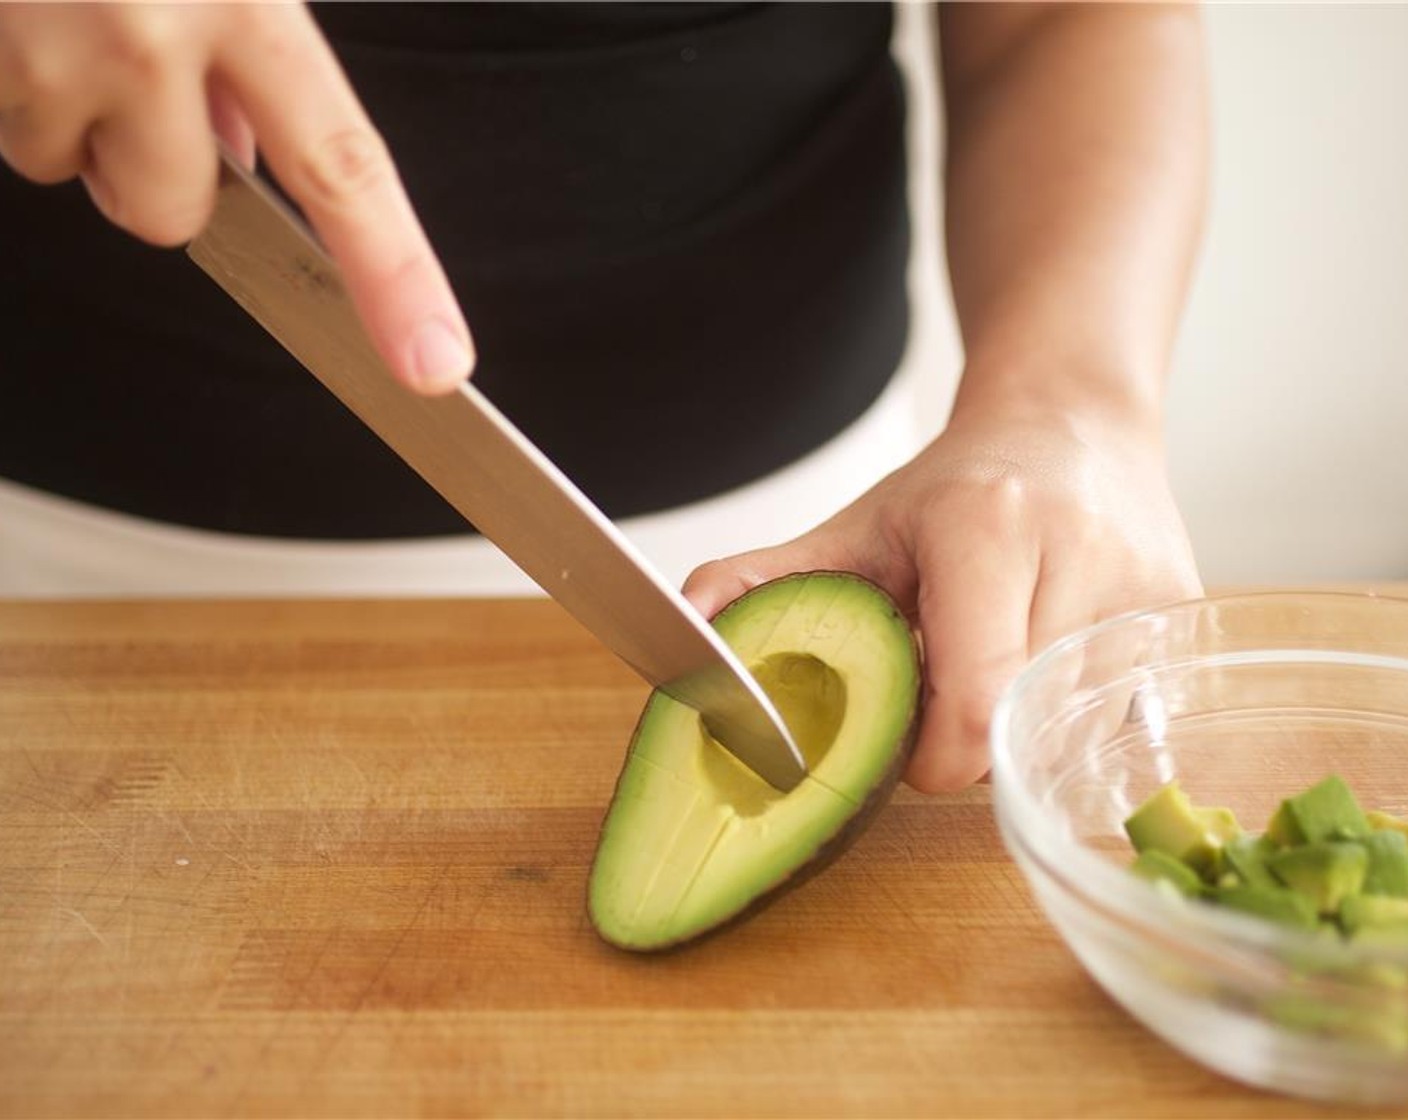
[(264, 256)]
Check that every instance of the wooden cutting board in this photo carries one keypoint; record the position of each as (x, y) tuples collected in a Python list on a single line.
[(329, 859)]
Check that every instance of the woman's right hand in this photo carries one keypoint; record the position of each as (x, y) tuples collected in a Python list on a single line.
[(131, 97)]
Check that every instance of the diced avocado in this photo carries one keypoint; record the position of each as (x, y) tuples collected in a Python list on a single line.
[(1300, 1012), (1279, 904), (1326, 811), (1168, 822), (1160, 867), (1282, 829), (1374, 911), (1326, 872), (1222, 824), (1246, 855), (1324, 865), (1384, 937), (1377, 974), (1220, 821), (1384, 1028), (1388, 864), (1380, 821), (693, 838)]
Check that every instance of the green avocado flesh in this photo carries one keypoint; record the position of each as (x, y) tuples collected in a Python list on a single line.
[(1319, 846), (1159, 867), (1323, 866), (1326, 872), (693, 837), (1326, 811), (1168, 822)]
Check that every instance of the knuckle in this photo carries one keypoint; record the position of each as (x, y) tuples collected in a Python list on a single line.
[(35, 75), (342, 168), (968, 707), (1007, 494), (148, 44), (1083, 532), (974, 715), (988, 499), (279, 31)]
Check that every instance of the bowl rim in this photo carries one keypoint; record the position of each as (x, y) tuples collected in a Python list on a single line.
[(1098, 881)]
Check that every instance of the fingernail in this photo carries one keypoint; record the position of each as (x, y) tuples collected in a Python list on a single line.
[(439, 356)]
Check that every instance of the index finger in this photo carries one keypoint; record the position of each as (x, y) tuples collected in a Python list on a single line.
[(974, 606), (327, 154)]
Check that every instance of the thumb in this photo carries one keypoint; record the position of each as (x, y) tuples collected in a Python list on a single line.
[(712, 586)]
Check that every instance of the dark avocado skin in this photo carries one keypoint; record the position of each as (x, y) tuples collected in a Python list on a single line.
[(834, 846)]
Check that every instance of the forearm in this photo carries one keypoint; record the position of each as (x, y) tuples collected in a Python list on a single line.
[(1075, 185)]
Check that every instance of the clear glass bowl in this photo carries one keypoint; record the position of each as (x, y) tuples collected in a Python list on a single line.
[(1245, 700)]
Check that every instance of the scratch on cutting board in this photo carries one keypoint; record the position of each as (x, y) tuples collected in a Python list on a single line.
[(175, 818), (315, 1067), (239, 842), (95, 883), (86, 924), (281, 1022), (320, 1062), (103, 840), (128, 912), (34, 768), (893, 898), (71, 815), (236, 860)]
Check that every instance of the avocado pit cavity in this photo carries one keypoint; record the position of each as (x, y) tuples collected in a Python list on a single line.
[(810, 696)]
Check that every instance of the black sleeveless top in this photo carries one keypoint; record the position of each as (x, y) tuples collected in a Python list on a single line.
[(678, 232)]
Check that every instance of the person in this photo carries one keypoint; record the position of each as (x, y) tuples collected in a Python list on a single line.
[(679, 232)]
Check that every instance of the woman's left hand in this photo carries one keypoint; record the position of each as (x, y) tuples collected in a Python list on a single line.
[(1006, 533)]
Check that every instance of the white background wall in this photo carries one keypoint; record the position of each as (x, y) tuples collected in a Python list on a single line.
[(1288, 413), (1288, 407)]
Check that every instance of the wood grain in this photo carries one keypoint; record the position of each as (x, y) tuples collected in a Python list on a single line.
[(330, 859)]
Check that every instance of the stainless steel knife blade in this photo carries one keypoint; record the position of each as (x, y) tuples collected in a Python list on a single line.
[(264, 256)]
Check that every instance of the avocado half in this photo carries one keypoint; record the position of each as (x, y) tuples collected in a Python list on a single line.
[(693, 838)]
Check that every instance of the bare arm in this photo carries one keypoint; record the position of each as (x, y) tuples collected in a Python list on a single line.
[(1075, 181), (1077, 164)]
